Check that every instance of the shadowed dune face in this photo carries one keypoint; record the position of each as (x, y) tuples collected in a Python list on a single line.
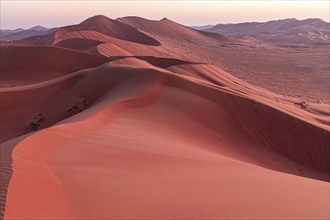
[(79, 44), (273, 61), (166, 28), (149, 125), (22, 105), (104, 124), (112, 28), (155, 61), (18, 67)]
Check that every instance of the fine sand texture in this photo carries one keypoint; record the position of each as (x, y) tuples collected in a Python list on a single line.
[(98, 124)]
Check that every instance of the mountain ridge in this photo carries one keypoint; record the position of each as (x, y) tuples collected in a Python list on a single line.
[(250, 28)]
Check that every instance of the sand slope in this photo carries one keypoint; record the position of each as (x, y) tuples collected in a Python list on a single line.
[(170, 29), (295, 50), (129, 119), (18, 67), (162, 143)]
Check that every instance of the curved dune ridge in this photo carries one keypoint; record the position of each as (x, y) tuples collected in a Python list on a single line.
[(104, 123), (169, 29), (108, 27), (19, 67), (133, 35), (190, 134)]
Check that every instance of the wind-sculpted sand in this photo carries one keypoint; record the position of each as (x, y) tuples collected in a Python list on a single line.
[(149, 136)]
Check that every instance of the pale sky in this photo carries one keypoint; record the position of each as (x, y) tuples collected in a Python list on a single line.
[(26, 14)]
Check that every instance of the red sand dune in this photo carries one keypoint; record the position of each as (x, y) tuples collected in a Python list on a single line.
[(19, 67), (80, 44), (108, 46), (111, 28), (252, 59), (145, 135), (262, 62), (170, 29), (160, 136)]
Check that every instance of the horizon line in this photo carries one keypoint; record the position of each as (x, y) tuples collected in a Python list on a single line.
[(201, 25)]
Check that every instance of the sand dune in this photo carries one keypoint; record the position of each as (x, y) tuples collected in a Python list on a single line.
[(271, 60), (81, 44), (170, 29), (101, 125), (46, 63), (107, 27), (103, 44), (139, 131)]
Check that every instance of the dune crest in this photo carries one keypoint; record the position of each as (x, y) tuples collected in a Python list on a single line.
[(120, 119), (152, 98)]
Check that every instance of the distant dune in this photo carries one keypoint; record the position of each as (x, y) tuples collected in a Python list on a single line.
[(46, 63), (295, 50), (111, 28), (122, 119), (168, 29)]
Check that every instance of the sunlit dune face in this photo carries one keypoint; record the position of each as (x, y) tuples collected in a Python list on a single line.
[(25, 14), (132, 118)]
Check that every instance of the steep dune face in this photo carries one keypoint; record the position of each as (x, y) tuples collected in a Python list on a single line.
[(70, 94), (18, 67), (98, 43), (80, 44), (28, 83), (156, 136), (108, 50), (107, 123), (161, 62), (270, 60), (273, 124), (297, 50), (99, 28), (161, 27), (112, 28), (169, 29)]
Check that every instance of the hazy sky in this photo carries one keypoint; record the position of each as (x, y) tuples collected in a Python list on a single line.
[(53, 13)]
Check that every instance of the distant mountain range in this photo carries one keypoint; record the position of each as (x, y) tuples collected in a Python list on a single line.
[(280, 32), (21, 33), (253, 28), (204, 27)]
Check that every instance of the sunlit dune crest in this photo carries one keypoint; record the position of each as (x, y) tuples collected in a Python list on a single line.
[(131, 118)]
